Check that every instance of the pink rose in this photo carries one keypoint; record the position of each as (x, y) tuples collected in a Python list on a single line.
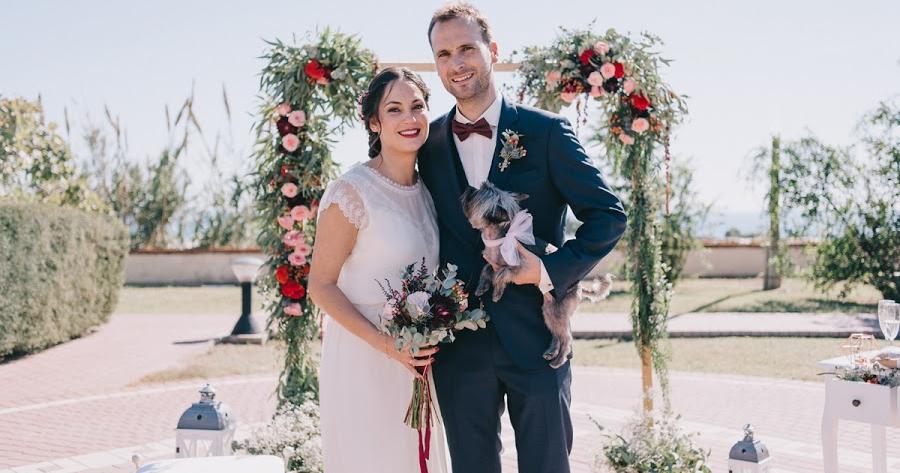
[(568, 97), (290, 142), (625, 139), (596, 92), (301, 213), (296, 259), (601, 47), (297, 118), (595, 79), (553, 76), (640, 125), (628, 86), (322, 81), (293, 309), (293, 238), (387, 312), (302, 248), (283, 109), (608, 70), (290, 190), (286, 222)]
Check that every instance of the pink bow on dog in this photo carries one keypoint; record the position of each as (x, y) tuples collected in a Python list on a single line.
[(519, 229)]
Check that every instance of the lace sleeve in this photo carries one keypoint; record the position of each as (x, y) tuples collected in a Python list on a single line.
[(342, 193)]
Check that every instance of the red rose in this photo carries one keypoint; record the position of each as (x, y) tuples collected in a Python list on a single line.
[(282, 274), (315, 70), (620, 70), (293, 289), (586, 56), (639, 102)]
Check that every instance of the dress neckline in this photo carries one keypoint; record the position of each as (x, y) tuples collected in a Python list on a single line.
[(390, 181)]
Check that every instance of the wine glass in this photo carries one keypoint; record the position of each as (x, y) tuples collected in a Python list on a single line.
[(889, 319)]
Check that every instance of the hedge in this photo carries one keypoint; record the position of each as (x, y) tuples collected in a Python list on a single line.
[(60, 274)]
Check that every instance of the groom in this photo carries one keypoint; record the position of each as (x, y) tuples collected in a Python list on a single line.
[(474, 374)]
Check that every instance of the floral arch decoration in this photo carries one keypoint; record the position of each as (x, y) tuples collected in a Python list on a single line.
[(308, 95), (639, 110)]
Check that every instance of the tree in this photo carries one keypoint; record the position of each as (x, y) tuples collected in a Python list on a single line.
[(36, 163), (851, 197), (147, 197), (682, 222)]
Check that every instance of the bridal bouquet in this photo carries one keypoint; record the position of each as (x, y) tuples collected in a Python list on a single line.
[(426, 310)]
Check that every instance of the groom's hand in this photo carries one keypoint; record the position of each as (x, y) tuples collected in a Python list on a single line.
[(529, 267)]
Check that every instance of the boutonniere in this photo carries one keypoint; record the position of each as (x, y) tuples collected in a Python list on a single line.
[(510, 149)]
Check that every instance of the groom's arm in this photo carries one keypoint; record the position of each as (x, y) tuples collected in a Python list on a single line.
[(593, 203)]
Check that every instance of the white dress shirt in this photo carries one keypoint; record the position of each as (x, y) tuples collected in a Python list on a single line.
[(477, 153)]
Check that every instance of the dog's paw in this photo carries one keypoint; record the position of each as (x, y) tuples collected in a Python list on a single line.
[(552, 351), (558, 361)]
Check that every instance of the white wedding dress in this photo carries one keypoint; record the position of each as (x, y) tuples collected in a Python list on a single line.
[(364, 394)]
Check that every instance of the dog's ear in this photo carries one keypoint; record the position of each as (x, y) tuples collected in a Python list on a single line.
[(466, 198), (519, 196)]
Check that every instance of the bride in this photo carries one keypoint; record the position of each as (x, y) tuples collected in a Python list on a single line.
[(373, 221)]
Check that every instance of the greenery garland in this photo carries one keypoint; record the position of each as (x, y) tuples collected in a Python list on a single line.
[(621, 75), (308, 95)]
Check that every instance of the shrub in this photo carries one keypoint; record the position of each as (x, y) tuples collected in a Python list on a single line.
[(293, 435), (60, 274)]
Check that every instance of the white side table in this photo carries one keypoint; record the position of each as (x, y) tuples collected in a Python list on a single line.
[(850, 400)]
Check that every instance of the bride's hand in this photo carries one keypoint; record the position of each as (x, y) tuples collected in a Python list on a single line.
[(422, 358)]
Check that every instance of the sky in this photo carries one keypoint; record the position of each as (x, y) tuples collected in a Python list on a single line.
[(749, 69)]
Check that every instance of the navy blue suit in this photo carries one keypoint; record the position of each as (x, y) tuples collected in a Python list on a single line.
[(475, 373)]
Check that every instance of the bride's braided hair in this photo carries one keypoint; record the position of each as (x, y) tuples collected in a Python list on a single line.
[(371, 99)]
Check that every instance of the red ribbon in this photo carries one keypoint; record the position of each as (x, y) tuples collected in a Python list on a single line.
[(425, 447)]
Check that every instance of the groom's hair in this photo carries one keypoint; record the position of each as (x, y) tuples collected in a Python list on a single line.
[(465, 11)]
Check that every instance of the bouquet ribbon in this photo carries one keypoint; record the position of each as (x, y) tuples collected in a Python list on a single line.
[(519, 229), (418, 416)]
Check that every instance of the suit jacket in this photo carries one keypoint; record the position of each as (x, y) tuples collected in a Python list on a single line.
[(555, 173)]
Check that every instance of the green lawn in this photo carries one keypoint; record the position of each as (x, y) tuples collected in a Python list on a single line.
[(224, 360), (777, 357), (183, 300), (789, 358), (746, 295), (691, 295)]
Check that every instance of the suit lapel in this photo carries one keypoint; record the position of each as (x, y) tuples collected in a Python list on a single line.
[(508, 117), (452, 187)]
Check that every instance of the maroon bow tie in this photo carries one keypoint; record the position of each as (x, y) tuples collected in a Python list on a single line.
[(463, 130)]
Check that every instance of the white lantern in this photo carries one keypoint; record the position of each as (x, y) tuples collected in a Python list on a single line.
[(206, 428), (748, 455)]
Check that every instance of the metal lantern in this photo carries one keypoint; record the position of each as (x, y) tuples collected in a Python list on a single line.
[(748, 455), (206, 428)]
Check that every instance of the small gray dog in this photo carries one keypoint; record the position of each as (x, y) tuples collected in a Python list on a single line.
[(494, 212)]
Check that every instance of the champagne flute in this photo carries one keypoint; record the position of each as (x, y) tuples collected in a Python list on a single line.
[(889, 319)]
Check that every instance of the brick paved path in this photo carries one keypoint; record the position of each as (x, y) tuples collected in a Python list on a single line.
[(70, 408)]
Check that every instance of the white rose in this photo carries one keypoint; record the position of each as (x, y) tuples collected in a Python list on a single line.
[(417, 304)]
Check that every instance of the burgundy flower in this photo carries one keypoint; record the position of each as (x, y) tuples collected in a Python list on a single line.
[(442, 307), (611, 85), (285, 127)]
